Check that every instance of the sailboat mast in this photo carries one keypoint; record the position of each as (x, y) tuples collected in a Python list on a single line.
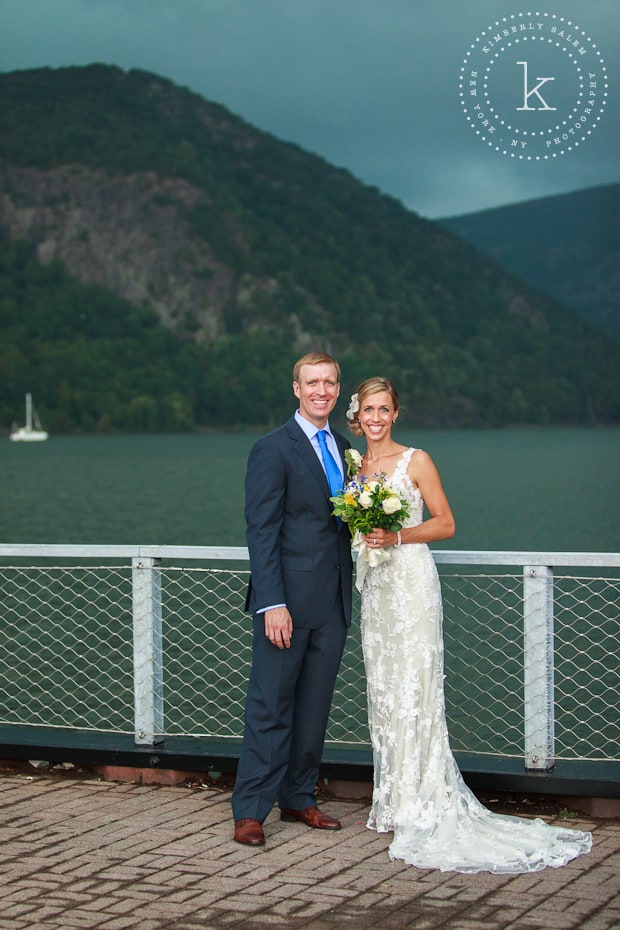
[(28, 411)]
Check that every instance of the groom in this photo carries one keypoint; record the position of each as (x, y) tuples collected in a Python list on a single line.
[(300, 598)]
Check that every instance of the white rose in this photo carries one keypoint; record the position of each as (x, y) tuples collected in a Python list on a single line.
[(365, 500), (356, 457), (391, 504), (353, 458), (373, 485)]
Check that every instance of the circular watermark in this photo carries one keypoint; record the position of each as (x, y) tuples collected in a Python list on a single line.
[(533, 86)]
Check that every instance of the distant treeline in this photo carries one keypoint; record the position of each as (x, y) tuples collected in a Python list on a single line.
[(98, 364)]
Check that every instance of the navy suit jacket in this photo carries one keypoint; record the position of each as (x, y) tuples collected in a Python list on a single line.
[(300, 555)]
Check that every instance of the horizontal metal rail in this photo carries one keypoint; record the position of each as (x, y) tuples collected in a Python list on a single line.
[(240, 553)]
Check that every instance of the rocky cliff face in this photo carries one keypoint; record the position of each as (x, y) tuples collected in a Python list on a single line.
[(131, 235)]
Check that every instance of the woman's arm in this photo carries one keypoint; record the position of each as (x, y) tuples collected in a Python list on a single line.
[(440, 524)]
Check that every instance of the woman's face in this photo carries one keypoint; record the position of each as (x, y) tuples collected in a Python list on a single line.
[(376, 414)]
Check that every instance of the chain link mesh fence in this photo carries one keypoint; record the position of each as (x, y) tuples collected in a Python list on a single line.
[(67, 657), (66, 647)]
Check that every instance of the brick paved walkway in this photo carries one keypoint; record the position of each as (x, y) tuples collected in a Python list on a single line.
[(94, 854)]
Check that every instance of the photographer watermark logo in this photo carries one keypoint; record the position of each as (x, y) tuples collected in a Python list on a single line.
[(533, 86)]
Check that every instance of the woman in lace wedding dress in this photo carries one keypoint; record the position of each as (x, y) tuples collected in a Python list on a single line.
[(419, 793)]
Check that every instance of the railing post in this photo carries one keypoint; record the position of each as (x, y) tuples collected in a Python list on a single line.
[(148, 679), (538, 666)]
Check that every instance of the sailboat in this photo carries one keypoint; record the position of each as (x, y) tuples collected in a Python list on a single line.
[(29, 433)]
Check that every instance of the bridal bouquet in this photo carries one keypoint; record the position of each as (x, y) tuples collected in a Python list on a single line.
[(365, 504)]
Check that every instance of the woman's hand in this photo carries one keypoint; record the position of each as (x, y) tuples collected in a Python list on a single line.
[(380, 539)]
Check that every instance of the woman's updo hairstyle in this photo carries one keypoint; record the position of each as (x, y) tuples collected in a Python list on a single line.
[(365, 389)]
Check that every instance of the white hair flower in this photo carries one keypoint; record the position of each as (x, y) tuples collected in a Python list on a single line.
[(354, 406)]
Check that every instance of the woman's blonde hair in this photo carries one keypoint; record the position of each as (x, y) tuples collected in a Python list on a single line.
[(364, 390)]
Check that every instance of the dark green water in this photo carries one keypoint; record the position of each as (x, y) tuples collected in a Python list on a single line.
[(551, 489)]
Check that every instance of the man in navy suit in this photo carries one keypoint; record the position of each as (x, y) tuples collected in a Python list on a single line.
[(300, 598)]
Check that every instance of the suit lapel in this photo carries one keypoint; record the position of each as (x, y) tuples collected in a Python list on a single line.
[(304, 448)]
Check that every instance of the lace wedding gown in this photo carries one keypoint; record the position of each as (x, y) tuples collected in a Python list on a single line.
[(419, 793)]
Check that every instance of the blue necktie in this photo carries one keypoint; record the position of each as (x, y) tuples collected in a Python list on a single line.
[(332, 471)]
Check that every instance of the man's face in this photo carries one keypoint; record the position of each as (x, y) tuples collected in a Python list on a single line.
[(317, 390)]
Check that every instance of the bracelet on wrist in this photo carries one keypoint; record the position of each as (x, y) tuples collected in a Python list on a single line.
[(399, 538)]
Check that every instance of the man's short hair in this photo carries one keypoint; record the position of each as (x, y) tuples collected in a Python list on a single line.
[(315, 358)]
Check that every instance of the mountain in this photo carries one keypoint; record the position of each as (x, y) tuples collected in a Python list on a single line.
[(567, 246), (164, 263)]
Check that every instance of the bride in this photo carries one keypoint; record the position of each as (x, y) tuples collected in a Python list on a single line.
[(419, 793)]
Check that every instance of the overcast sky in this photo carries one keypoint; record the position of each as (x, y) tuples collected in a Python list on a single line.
[(374, 86)]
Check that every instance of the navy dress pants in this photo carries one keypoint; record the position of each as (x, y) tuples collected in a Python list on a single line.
[(287, 708)]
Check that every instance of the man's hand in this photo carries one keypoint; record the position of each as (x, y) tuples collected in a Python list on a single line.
[(279, 627)]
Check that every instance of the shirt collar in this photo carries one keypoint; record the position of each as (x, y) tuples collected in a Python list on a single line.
[(309, 428)]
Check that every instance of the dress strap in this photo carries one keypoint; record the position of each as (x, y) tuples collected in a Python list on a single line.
[(403, 465)]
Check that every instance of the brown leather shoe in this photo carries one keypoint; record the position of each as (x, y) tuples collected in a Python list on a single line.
[(249, 832), (312, 817)]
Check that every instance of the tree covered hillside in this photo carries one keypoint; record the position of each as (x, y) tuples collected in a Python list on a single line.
[(567, 245), (165, 263)]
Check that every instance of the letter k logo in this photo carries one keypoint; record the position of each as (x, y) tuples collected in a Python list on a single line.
[(535, 90)]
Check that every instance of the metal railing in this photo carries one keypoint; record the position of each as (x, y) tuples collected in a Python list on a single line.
[(154, 641)]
